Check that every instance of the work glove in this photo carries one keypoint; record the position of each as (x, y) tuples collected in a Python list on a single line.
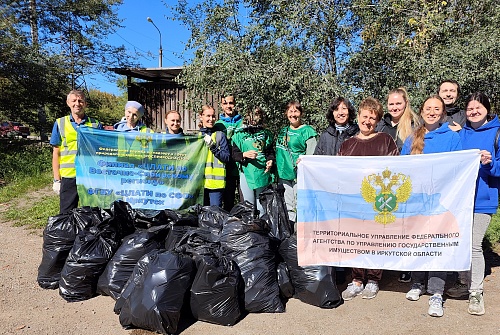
[(208, 141), (56, 186)]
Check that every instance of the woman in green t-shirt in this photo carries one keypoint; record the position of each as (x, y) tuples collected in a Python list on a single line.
[(293, 140), (253, 150)]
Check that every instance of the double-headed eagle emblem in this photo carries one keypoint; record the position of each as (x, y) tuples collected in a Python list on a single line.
[(144, 140), (385, 192)]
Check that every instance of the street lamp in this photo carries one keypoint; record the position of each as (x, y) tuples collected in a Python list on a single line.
[(161, 51)]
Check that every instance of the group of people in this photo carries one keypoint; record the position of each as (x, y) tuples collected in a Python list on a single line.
[(243, 155)]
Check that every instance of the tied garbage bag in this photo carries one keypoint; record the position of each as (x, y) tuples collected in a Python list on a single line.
[(121, 266), (272, 200), (153, 297), (146, 218), (244, 211), (212, 217), (58, 238), (86, 261), (175, 235), (216, 291), (199, 242), (314, 285), (249, 245), (284, 281)]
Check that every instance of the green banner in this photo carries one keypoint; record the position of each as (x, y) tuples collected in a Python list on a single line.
[(147, 170)]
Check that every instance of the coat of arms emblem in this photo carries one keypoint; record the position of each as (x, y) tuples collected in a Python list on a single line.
[(386, 191)]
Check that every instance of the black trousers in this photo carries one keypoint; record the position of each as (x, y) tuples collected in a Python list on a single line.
[(68, 197)]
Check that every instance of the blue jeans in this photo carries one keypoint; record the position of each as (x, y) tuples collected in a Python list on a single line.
[(251, 195), (212, 197), (435, 281)]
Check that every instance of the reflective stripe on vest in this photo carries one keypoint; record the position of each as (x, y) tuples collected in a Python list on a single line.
[(145, 129), (215, 171), (68, 148)]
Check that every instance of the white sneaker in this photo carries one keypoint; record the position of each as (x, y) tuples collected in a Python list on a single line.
[(370, 291), (352, 290), (436, 305), (476, 304), (415, 292)]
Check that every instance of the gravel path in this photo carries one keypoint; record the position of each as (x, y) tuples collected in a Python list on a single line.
[(25, 308)]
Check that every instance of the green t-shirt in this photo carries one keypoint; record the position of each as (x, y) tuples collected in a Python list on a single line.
[(290, 144), (254, 169), (229, 129)]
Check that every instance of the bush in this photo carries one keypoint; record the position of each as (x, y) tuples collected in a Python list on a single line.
[(23, 158), (493, 233)]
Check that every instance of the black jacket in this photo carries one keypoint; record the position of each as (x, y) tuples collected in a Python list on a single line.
[(385, 126), (455, 114), (331, 140)]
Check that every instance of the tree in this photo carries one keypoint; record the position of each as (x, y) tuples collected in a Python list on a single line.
[(47, 46), (272, 51), (268, 53), (106, 107), (419, 43)]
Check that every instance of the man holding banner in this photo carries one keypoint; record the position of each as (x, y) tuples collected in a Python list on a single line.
[(64, 143)]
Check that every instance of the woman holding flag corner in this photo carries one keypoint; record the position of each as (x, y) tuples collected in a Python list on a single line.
[(433, 136), (481, 131)]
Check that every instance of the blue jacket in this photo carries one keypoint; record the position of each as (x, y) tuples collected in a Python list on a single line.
[(442, 139), (122, 125), (488, 180)]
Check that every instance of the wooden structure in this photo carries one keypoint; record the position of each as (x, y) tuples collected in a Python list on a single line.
[(158, 92)]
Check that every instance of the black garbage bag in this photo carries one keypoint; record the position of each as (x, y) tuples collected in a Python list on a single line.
[(58, 238), (153, 297), (85, 263), (249, 245), (121, 222), (314, 285), (146, 218), (198, 243), (272, 200), (212, 217), (244, 210), (121, 266), (185, 217), (175, 235), (216, 291), (284, 281)]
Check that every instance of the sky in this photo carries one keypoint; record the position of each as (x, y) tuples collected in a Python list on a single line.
[(140, 37)]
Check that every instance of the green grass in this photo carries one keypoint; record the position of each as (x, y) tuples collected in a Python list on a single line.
[(493, 233), (34, 216), (20, 186), (25, 169)]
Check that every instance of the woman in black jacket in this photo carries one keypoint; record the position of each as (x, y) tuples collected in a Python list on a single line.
[(341, 115)]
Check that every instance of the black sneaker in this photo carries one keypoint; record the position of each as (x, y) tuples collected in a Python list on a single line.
[(404, 277)]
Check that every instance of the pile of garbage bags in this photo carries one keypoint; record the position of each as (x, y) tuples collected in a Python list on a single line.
[(163, 266)]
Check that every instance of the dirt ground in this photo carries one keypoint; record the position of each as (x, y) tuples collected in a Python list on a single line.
[(25, 308)]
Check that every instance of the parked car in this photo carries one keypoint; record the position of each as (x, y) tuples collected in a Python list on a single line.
[(12, 129)]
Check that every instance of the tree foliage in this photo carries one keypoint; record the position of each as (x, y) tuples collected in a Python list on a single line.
[(269, 52), (106, 107), (421, 42), (45, 46)]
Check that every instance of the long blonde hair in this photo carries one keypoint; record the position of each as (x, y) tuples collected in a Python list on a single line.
[(417, 146), (409, 120)]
